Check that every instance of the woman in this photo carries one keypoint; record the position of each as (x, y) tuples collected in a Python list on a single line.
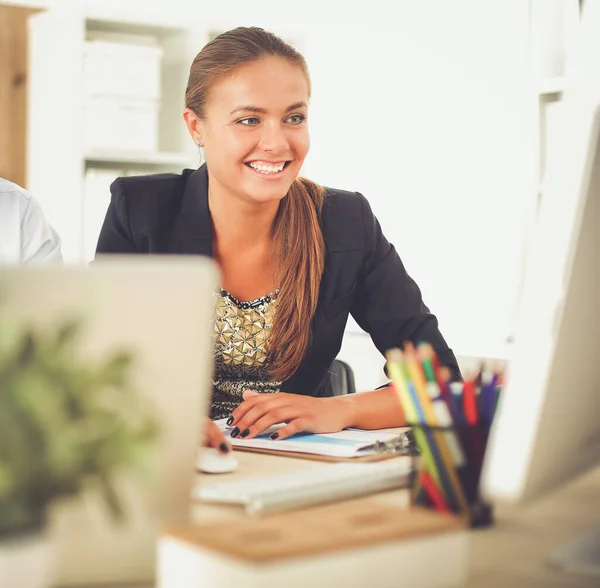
[(295, 258)]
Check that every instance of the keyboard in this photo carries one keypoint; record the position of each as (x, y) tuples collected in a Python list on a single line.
[(318, 485)]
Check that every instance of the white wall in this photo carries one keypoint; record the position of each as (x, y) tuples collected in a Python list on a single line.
[(425, 107), (430, 117)]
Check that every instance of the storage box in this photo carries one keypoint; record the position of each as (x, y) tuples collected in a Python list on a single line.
[(121, 125), (125, 70)]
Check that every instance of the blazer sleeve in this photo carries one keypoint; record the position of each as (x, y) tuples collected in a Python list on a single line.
[(116, 236), (388, 303)]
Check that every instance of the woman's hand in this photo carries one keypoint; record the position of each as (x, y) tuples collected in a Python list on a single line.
[(213, 437), (258, 412)]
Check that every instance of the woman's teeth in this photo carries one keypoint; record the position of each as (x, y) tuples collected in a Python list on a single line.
[(267, 168)]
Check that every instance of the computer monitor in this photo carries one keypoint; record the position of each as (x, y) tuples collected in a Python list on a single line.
[(160, 311), (547, 427)]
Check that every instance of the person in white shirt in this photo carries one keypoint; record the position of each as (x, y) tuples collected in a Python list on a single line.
[(25, 235)]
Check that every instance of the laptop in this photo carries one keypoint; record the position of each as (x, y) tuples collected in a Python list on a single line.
[(161, 310)]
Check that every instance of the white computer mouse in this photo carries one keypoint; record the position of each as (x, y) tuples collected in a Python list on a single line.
[(210, 461)]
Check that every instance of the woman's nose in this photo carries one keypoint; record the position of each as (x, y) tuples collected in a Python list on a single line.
[(274, 139)]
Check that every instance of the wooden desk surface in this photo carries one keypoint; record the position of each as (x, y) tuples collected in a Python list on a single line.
[(512, 553)]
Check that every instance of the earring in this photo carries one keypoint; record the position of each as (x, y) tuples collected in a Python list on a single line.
[(201, 157)]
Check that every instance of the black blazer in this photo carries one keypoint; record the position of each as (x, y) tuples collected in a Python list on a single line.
[(168, 214)]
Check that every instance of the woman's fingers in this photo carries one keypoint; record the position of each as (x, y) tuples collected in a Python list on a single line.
[(266, 413), (214, 437), (249, 402), (273, 417), (299, 425), (260, 404)]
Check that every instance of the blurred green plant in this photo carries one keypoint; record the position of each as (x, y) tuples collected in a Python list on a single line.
[(66, 424)]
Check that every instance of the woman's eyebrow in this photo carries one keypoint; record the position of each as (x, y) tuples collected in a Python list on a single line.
[(295, 106), (258, 109), (249, 108)]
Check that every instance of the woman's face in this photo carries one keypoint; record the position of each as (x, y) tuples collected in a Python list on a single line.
[(255, 131)]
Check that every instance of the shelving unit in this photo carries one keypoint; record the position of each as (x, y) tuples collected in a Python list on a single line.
[(141, 159), (57, 159), (555, 85), (554, 29)]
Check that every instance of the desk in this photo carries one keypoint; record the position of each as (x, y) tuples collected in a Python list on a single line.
[(511, 553)]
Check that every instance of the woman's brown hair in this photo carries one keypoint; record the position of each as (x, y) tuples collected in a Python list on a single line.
[(298, 246)]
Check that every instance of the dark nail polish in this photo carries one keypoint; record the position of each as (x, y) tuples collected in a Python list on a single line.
[(230, 420), (224, 448), (274, 436), (245, 433), (235, 432)]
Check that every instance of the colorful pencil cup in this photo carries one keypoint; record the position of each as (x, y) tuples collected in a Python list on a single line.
[(463, 497), (451, 423)]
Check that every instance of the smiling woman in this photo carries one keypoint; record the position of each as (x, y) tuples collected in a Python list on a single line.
[(296, 258), (257, 115)]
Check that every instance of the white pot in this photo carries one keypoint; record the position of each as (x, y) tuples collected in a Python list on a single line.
[(27, 562)]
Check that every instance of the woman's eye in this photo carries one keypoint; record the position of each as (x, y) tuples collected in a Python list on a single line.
[(249, 122), (296, 119)]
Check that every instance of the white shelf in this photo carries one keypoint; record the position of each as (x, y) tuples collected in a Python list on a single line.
[(132, 26), (58, 176), (552, 85), (139, 158)]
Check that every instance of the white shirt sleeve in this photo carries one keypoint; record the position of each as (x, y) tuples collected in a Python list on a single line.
[(25, 235), (40, 243)]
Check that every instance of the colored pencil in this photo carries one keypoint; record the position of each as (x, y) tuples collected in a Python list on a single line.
[(433, 492), (469, 401)]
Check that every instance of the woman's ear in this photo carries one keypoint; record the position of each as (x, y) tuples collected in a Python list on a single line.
[(194, 125)]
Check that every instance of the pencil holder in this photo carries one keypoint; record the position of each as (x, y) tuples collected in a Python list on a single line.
[(448, 470)]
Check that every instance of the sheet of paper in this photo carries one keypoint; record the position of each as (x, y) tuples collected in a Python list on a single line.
[(343, 444)]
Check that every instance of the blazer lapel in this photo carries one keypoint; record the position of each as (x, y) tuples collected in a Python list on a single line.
[(193, 227)]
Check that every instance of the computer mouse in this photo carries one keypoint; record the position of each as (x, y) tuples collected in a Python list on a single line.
[(211, 461)]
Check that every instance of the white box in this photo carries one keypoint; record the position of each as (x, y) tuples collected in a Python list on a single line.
[(113, 69), (121, 125)]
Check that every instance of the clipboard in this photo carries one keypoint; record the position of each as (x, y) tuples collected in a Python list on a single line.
[(371, 457), (349, 445)]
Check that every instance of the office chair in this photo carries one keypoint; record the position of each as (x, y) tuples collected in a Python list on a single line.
[(342, 378)]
